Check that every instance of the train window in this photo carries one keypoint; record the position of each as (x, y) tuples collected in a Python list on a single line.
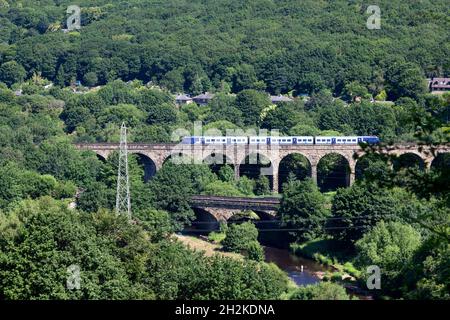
[(354, 140)]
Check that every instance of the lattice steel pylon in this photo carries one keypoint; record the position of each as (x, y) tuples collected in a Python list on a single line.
[(123, 201)]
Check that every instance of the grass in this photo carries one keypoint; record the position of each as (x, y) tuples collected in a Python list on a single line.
[(208, 248), (216, 237)]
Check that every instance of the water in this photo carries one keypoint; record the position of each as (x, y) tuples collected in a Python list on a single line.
[(292, 265)]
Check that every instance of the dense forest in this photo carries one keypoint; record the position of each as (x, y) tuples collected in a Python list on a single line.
[(198, 46), (59, 87)]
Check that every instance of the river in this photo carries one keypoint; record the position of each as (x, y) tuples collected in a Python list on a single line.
[(293, 264)]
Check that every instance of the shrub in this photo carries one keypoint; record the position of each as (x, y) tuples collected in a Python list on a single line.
[(321, 291)]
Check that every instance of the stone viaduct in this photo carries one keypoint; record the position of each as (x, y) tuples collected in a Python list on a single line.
[(236, 155)]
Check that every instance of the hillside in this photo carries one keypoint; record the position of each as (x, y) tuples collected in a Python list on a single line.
[(196, 46)]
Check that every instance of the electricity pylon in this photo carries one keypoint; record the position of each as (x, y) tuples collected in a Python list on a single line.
[(123, 202)]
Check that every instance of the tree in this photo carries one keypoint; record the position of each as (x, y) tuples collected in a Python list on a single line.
[(390, 246), (251, 103), (357, 209), (262, 185), (302, 208), (286, 116), (353, 90), (405, 80), (90, 79), (11, 72), (172, 187), (162, 114), (243, 238), (320, 291), (226, 173), (41, 239), (244, 78)]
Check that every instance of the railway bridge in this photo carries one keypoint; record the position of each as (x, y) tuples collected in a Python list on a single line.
[(223, 208), (236, 155)]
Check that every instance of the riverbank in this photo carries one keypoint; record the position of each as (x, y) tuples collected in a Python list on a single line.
[(208, 248)]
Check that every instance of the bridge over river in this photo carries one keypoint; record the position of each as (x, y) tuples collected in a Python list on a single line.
[(237, 155), (223, 208)]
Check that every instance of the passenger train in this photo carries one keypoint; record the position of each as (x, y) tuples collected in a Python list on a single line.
[(241, 140)]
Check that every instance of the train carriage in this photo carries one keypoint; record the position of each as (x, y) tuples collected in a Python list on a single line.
[(283, 140)]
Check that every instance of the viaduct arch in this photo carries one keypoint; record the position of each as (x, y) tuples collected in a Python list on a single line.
[(236, 154)]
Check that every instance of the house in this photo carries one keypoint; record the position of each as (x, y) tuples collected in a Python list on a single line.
[(182, 99), (203, 99), (439, 84), (280, 99)]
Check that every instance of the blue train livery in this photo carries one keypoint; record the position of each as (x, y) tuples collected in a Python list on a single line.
[(297, 140)]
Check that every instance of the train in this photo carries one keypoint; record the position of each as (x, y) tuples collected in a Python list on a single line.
[(297, 140)]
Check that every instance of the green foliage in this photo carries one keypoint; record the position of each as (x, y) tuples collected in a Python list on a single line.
[(251, 103), (302, 207), (246, 185), (221, 188), (11, 72), (391, 247), (243, 238), (358, 209), (48, 238), (216, 237), (262, 186), (39, 240), (321, 291), (226, 173), (173, 186)]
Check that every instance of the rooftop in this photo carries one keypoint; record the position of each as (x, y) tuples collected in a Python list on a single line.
[(204, 96), (183, 97)]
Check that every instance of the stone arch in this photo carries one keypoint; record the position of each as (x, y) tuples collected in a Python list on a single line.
[(365, 162), (333, 171), (441, 162), (290, 164), (148, 164), (217, 161), (205, 220), (408, 160), (178, 155), (255, 165), (102, 155)]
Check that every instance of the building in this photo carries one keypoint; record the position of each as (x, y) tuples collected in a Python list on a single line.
[(439, 84), (182, 99), (280, 99), (203, 99)]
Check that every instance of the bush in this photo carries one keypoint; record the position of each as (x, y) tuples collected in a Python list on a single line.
[(255, 251), (321, 291), (391, 247), (242, 238), (216, 237)]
